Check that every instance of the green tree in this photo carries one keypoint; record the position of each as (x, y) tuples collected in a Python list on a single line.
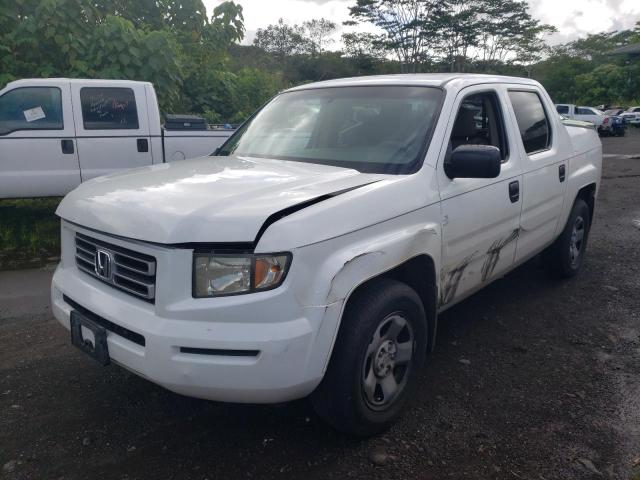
[(608, 84), (491, 31), (281, 40), (458, 25), (118, 50), (598, 47), (46, 38), (207, 82), (587, 71), (408, 27), (171, 43), (360, 45), (509, 32), (318, 33), (185, 16), (254, 87), (365, 50), (558, 74), (226, 27)]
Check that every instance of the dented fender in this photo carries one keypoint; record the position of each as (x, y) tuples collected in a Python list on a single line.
[(333, 269), (345, 263)]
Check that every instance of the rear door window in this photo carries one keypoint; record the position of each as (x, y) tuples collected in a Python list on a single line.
[(534, 125), (108, 108), (31, 108), (562, 109)]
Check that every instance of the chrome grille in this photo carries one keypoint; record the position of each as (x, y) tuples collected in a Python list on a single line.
[(124, 269)]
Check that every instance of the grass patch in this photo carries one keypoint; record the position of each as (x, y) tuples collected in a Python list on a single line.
[(29, 232)]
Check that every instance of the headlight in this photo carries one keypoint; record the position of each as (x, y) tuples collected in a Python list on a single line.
[(221, 274)]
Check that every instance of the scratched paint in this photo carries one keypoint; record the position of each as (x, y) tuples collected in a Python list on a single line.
[(493, 254), (451, 279)]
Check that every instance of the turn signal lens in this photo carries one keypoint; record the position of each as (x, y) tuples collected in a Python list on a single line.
[(269, 271)]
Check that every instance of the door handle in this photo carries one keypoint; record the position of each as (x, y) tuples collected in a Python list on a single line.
[(561, 173), (67, 146), (143, 145), (514, 191)]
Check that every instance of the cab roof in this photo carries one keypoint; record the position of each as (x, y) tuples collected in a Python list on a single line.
[(441, 80), (25, 82)]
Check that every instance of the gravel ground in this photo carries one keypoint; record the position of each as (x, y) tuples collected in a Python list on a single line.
[(531, 379), (629, 145)]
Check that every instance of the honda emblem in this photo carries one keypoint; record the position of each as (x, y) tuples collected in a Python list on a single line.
[(103, 264)]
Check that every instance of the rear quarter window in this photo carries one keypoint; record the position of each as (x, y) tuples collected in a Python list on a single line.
[(108, 108), (533, 123)]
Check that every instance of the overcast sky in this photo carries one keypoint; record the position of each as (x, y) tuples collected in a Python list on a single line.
[(572, 18)]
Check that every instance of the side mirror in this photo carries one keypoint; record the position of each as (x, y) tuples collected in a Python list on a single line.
[(473, 161)]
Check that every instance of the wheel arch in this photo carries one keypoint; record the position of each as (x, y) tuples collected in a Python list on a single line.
[(419, 273), (588, 194)]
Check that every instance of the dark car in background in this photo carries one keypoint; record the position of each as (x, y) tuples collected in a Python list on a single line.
[(614, 125)]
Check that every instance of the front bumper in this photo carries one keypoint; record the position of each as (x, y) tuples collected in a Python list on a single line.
[(288, 344)]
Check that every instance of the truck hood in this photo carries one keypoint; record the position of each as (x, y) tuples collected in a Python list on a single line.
[(209, 199)]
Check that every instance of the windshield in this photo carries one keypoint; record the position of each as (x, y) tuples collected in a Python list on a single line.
[(371, 129)]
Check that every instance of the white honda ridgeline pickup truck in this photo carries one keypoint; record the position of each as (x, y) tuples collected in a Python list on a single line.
[(58, 132), (313, 254)]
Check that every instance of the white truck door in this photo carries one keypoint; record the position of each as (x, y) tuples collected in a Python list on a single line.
[(481, 217), (112, 126), (543, 151), (38, 154)]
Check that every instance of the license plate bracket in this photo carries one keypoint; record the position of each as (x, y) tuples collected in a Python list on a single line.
[(98, 348)]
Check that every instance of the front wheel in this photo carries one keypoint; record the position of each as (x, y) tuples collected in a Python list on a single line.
[(564, 257), (380, 347)]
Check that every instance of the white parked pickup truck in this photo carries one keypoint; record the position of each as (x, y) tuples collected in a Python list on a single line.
[(314, 254), (58, 132), (632, 116), (585, 114)]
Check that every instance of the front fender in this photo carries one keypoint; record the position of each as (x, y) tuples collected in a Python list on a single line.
[(338, 266), (333, 269)]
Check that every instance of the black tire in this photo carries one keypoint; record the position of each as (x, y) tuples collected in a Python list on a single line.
[(565, 256), (341, 399)]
